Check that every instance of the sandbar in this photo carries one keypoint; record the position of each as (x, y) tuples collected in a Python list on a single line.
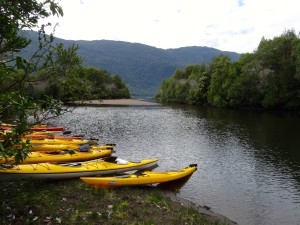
[(118, 102)]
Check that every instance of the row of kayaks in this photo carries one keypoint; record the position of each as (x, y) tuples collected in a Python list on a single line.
[(57, 157)]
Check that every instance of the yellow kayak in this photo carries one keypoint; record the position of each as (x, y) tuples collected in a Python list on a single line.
[(52, 171), (60, 141), (38, 132), (61, 147), (13, 125), (62, 156), (139, 178), (4, 132), (43, 136), (46, 132)]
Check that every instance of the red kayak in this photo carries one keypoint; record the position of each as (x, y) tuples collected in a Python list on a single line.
[(37, 128), (5, 128), (47, 128), (43, 136)]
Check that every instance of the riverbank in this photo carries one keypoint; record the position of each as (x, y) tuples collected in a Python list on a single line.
[(119, 102), (74, 202)]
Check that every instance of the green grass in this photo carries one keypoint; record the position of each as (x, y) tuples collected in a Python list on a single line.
[(74, 202)]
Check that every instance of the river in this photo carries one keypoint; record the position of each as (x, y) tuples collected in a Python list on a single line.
[(248, 162)]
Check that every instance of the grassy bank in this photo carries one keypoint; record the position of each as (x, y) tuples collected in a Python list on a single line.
[(74, 202)]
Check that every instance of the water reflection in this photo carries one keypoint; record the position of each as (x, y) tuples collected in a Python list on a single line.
[(263, 148), (272, 136), (174, 186)]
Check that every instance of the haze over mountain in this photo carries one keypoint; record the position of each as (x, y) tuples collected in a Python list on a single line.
[(141, 67)]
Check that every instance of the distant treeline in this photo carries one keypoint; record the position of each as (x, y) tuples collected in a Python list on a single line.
[(267, 78), (100, 83)]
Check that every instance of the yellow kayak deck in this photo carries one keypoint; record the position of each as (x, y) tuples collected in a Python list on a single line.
[(61, 147), (61, 156), (71, 170), (59, 141), (147, 177)]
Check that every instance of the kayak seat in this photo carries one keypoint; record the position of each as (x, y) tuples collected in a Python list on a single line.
[(139, 173), (111, 159), (73, 164), (122, 176), (84, 148), (67, 164), (110, 144), (6, 166), (92, 142), (71, 152)]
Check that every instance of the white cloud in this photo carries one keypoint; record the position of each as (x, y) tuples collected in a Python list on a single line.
[(231, 25)]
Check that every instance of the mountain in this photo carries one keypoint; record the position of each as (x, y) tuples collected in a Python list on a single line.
[(141, 67)]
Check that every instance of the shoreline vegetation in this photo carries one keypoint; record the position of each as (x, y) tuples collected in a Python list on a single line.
[(74, 202), (268, 78)]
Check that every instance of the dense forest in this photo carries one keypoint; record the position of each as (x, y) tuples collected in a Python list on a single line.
[(268, 78)]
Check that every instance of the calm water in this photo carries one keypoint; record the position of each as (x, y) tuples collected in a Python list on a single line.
[(248, 162)]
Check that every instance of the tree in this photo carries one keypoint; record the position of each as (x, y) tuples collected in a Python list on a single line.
[(17, 74), (103, 85), (279, 74), (199, 80), (223, 72), (64, 79), (166, 92)]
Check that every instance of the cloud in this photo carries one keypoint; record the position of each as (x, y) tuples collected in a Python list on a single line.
[(232, 25), (241, 3)]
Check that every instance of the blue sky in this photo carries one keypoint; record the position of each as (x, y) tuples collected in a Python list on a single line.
[(229, 25)]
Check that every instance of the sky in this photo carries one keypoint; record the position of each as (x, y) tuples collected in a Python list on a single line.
[(227, 25)]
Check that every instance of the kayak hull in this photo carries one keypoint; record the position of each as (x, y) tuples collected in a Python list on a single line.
[(63, 156), (60, 141), (62, 147), (47, 128), (35, 128), (41, 136), (46, 132), (52, 171), (147, 177)]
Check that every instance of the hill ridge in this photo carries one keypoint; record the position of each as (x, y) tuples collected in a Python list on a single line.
[(141, 67)]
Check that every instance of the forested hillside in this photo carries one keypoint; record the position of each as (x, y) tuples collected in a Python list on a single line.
[(141, 67), (267, 78)]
